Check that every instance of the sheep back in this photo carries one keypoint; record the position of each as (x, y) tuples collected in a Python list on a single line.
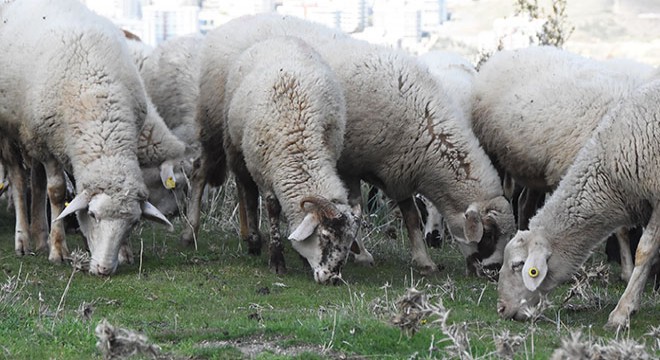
[(535, 107), (286, 114)]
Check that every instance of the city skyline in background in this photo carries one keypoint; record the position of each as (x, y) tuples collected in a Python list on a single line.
[(602, 28), (407, 24)]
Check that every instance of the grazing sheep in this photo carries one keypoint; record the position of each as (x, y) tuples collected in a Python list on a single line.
[(171, 78), (70, 93), (553, 99), (286, 118), (158, 145), (455, 73), (403, 134), (169, 72), (613, 182)]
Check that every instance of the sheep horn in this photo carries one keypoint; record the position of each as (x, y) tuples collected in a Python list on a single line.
[(80, 202), (324, 207)]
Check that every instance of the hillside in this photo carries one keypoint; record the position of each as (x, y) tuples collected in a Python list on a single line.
[(603, 28)]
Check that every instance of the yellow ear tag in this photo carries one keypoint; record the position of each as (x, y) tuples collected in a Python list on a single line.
[(170, 183), (66, 203), (2, 186), (533, 272)]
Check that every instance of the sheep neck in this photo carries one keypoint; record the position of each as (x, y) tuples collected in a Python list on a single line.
[(577, 218)]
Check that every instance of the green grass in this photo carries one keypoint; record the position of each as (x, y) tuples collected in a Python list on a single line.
[(204, 303)]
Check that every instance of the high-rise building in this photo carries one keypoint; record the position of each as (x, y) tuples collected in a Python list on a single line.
[(164, 19), (346, 15)]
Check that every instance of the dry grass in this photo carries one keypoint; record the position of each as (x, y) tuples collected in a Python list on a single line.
[(118, 343)]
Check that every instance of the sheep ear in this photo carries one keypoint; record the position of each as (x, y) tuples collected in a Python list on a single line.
[(473, 227), (306, 227), (80, 202), (152, 213), (536, 267), (167, 175)]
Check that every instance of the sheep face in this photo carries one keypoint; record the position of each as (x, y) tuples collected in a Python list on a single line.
[(106, 223), (324, 238), (486, 228), (105, 229), (521, 279)]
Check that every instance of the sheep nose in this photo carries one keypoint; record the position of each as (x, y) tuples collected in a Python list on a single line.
[(103, 270), (501, 309)]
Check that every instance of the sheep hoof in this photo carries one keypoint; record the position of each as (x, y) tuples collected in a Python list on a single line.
[(254, 244), (56, 258), (276, 263), (365, 259), (22, 245), (279, 269), (42, 247), (428, 270), (186, 238), (126, 255), (617, 322)]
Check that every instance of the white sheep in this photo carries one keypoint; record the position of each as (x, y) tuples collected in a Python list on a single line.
[(535, 107), (169, 72), (286, 117), (613, 182), (72, 96), (403, 134), (455, 73), (171, 78)]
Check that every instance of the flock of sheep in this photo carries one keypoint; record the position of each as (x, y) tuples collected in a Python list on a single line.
[(301, 114)]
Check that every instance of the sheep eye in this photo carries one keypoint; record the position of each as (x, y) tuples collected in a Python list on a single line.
[(92, 215), (518, 266)]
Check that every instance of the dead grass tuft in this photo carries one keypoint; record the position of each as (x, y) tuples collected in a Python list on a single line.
[(577, 348), (583, 287), (507, 345), (118, 343)]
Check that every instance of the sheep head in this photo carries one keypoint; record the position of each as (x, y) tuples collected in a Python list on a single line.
[(106, 227), (524, 269), (486, 228), (324, 237)]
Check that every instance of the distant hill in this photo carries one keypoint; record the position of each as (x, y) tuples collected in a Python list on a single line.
[(603, 28)]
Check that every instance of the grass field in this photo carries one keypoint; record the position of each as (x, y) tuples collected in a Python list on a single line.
[(218, 303)]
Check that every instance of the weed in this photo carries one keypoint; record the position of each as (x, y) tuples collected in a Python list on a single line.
[(118, 343)]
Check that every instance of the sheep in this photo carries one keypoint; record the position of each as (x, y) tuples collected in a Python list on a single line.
[(553, 99), (171, 77), (71, 95), (158, 145), (514, 124), (613, 182), (403, 134), (455, 73), (285, 123), (169, 74)]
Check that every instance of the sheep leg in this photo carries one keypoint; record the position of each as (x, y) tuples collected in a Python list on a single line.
[(420, 256), (360, 253), (248, 194), (527, 206), (56, 185), (644, 256), (125, 253), (194, 208), (624, 250), (38, 203), (275, 248), (19, 191)]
